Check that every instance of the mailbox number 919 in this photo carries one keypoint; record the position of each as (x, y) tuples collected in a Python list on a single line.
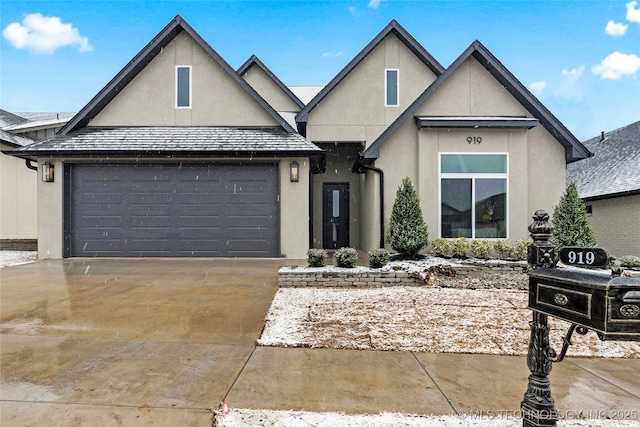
[(579, 257)]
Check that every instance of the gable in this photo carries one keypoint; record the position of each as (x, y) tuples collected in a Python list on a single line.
[(267, 89), (355, 107), (476, 93), (149, 98), (472, 91)]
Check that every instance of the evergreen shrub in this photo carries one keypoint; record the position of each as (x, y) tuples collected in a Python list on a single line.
[(505, 249), (316, 257), (481, 248), (346, 257), (441, 247), (378, 257), (407, 233), (522, 247), (629, 261), (460, 247), (570, 220)]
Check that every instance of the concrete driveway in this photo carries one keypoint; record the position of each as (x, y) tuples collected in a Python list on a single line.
[(127, 342), (161, 342)]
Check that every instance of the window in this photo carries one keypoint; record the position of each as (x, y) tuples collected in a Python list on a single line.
[(183, 86), (473, 196), (391, 85)]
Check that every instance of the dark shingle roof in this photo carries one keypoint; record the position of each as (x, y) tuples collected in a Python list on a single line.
[(574, 150), (10, 119), (173, 141), (614, 169), (15, 140)]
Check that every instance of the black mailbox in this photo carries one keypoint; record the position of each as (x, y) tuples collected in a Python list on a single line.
[(592, 299), (604, 302)]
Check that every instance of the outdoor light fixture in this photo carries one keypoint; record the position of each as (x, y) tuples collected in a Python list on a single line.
[(47, 172), (294, 170)]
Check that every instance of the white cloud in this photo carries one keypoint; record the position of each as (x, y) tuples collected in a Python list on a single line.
[(537, 87), (44, 34), (577, 72), (373, 4), (615, 29), (332, 54), (616, 65), (352, 10), (633, 14)]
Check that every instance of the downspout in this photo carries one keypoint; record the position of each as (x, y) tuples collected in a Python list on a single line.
[(29, 165), (310, 206), (381, 174)]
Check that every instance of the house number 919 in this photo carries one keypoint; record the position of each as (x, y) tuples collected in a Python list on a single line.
[(474, 139)]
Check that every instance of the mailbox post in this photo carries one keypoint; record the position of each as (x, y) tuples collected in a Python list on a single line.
[(588, 299)]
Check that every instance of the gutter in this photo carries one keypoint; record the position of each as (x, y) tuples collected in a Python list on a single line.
[(29, 165), (360, 167)]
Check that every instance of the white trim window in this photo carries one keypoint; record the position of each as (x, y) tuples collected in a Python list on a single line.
[(183, 86), (473, 191), (392, 88)]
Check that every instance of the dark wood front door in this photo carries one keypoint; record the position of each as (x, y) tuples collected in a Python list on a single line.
[(335, 213)]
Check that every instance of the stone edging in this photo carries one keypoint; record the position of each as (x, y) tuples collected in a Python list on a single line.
[(367, 277)]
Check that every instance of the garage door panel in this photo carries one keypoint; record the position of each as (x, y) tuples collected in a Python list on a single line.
[(174, 210)]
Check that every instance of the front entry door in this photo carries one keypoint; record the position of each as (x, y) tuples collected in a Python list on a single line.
[(335, 213)]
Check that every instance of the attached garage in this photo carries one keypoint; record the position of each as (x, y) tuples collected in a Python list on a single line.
[(172, 210)]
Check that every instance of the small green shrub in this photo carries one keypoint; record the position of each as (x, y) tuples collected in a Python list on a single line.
[(316, 257), (346, 257), (407, 232), (522, 246), (629, 261), (505, 249), (378, 258), (441, 247), (460, 247), (481, 248)]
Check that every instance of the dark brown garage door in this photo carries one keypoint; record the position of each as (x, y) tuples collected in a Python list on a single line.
[(172, 210)]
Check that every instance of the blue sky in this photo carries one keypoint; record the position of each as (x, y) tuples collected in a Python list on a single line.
[(581, 58)]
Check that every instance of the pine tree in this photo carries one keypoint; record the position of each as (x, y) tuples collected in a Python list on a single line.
[(407, 233), (572, 226)]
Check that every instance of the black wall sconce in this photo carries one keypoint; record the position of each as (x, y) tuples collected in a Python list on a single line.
[(47, 172), (294, 172)]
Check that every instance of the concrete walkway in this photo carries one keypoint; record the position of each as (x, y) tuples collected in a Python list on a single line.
[(141, 342)]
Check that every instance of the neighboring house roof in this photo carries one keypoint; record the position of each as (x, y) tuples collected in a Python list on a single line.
[(305, 93), (254, 61), (402, 34), (40, 120), (574, 150), (7, 121), (15, 140), (143, 58), (614, 169), (192, 141), (10, 119)]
